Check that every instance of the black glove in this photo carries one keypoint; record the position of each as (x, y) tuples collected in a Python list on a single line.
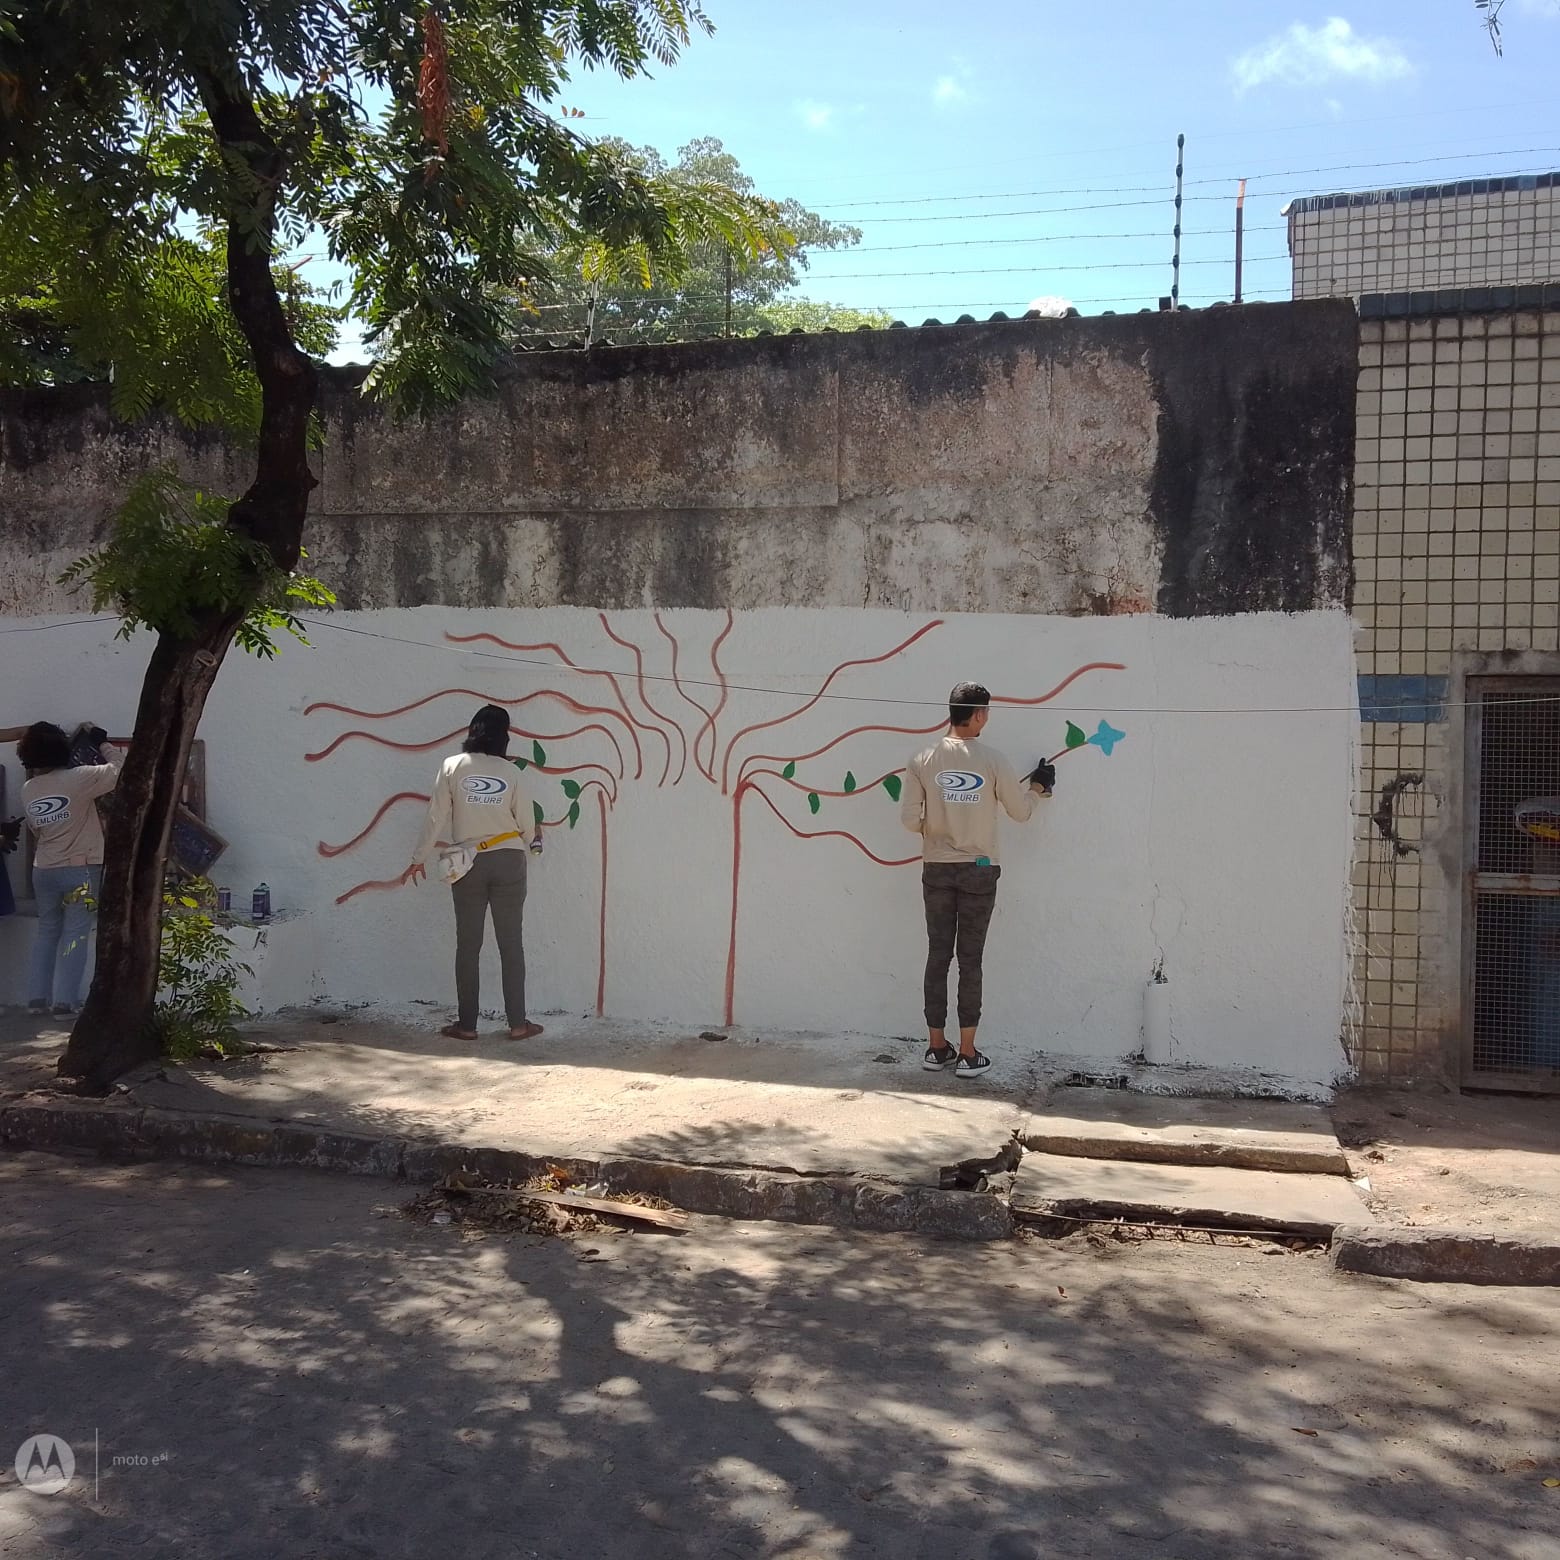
[(10, 835), (96, 736), (1043, 775)]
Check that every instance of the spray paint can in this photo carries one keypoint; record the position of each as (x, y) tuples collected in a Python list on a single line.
[(260, 903), (224, 899)]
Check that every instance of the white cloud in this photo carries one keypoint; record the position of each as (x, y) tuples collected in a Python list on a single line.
[(956, 88), (1304, 56), (816, 116), (1052, 307)]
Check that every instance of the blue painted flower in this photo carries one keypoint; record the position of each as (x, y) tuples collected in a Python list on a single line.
[(1106, 738)]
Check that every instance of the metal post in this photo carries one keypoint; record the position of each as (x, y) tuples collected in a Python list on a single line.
[(1175, 263), (590, 313), (1240, 223)]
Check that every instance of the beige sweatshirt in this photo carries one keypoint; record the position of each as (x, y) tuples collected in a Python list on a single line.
[(950, 799), (61, 811), (475, 797)]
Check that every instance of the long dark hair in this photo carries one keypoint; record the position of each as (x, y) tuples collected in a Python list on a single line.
[(488, 732), (43, 746)]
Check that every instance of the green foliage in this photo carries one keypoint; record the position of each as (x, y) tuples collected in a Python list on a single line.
[(129, 132), (789, 772), (1075, 736), (197, 1010), (571, 789), (850, 781), (172, 558), (536, 812), (680, 292), (144, 311), (574, 813), (813, 803), (893, 785), (538, 755)]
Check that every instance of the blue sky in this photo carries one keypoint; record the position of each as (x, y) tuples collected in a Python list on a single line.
[(1003, 151), (845, 102)]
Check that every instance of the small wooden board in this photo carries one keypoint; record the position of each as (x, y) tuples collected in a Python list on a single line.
[(662, 1218)]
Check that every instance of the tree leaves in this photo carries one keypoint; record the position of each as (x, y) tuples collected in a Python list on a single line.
[(813, 802), (574, 813), (1075, 736), (536, 811), (893, 785), (571, 789), (538, 755), (850, 782), (789, 772)]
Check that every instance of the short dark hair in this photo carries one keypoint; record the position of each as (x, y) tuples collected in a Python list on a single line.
[(43, 746), (488, 732), (965, 699)]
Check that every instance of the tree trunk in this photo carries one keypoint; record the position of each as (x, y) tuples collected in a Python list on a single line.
[(115, 1031)]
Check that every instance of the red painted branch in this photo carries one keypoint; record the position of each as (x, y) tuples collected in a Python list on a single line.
[(709, 727), (601, 958), (644, 698), (584, 671), (421, 747), (801, 758), (1062, 686), (373, 823), (826, 834), (844, 666), (750, 775), (671, 639)]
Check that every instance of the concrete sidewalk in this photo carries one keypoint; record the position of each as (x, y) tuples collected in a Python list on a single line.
[(594, 1089), (811, 1128)]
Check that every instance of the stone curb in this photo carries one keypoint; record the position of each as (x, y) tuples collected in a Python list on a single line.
[(843, 1201), (1162, 1151), (1430, 1256)]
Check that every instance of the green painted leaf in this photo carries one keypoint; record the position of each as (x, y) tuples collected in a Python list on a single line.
[(1075, 736), (538, 755), (789, 772), (520, 763), (536, 808), (893, 785), (574, 813), (571, 789), (850, 782), (812, 801)]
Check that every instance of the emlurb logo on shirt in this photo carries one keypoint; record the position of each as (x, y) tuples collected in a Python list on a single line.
[(47, 810), (484, 790), (960, 785)]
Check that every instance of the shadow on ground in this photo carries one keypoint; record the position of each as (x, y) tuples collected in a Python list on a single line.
[(329, 1384)]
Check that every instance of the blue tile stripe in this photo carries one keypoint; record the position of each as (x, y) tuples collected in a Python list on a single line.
[(1396, 697)]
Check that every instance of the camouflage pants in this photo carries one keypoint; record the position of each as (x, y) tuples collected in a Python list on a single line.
[(960, 898)]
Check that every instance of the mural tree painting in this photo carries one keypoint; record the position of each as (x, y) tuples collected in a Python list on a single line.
[(426, 149), (684, 722)]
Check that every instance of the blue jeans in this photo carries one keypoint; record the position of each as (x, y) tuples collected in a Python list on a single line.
[(59, 956)]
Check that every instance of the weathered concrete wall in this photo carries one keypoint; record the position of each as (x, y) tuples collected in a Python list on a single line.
[(723, 589), (1190, 464)]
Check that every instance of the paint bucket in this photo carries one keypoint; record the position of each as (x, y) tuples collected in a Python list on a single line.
[(1156, 1020)]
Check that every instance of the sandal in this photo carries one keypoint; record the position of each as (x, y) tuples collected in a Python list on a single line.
[(525, 1032), (455, 1032)]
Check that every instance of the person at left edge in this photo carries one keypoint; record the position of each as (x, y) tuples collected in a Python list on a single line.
[(59, 804), (478, 797)]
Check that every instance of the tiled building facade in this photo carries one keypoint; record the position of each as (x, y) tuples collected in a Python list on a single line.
[(1480, 232), (1457, 548)]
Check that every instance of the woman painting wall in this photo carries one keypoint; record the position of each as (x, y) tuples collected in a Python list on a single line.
[(480, 806)]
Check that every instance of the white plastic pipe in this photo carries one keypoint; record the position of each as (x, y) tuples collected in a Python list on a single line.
[(1156, 1021)]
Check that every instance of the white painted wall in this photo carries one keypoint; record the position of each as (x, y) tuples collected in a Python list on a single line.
[(1219, 841)]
